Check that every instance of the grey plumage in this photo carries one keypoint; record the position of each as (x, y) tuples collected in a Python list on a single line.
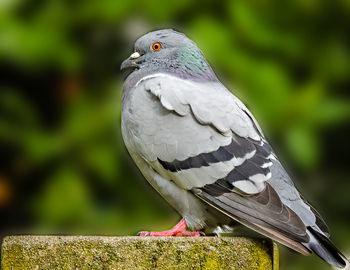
[(203, 151)]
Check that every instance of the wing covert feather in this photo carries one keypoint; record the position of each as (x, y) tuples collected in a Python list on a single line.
[(210, 103)]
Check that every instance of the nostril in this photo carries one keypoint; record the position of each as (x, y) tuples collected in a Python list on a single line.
[(135, 55)]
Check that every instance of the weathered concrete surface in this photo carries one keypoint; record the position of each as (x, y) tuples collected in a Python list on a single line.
[(94, 252)]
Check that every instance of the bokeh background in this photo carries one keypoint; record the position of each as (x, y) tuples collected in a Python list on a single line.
[(64, 168)]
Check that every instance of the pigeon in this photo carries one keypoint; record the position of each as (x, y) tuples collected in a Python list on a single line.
[(200, 147)]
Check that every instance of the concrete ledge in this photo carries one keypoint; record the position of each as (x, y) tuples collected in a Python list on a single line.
[(95, 252)]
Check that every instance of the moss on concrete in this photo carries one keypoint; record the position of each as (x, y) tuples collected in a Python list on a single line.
[(95, 252)]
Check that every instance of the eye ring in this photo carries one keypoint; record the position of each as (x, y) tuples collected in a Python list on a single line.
[(156, 46)]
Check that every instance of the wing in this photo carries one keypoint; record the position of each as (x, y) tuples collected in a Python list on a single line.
[(215, 135), (222, 174), (207, 142)]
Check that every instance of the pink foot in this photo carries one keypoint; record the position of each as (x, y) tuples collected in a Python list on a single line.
[(179, 229)]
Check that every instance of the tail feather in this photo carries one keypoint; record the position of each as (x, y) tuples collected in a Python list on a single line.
[(325, 249)]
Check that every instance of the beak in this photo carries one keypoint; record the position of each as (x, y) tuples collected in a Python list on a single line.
[(130, 63)]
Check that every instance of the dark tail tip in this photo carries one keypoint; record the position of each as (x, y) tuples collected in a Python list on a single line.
[(325, 249)]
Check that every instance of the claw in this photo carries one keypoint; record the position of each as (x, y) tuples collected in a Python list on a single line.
[(201, 233), (143, 233)]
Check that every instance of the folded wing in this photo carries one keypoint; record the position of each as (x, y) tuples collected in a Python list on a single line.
[(209, 143)]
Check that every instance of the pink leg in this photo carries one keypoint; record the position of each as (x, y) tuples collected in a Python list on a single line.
[(179, 229)]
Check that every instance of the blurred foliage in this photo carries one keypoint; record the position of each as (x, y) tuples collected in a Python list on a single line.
[(64, 167)]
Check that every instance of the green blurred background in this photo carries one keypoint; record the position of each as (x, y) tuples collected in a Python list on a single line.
[(64, 168)]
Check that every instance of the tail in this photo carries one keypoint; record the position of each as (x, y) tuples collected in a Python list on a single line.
[(325, 249)]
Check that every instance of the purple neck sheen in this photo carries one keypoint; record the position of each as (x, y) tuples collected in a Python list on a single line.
[(194, 75), (200, 71)]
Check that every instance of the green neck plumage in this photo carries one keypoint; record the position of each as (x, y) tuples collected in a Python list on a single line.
[(191, 64)]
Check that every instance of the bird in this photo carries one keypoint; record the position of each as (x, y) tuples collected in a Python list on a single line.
[(200, 147)]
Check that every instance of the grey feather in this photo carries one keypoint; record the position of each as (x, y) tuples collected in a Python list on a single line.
[(204, 152)]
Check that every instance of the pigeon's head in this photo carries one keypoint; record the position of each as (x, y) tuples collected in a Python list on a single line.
[(170, 52)]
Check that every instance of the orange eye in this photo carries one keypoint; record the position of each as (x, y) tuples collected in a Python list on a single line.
[(156, 46)]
